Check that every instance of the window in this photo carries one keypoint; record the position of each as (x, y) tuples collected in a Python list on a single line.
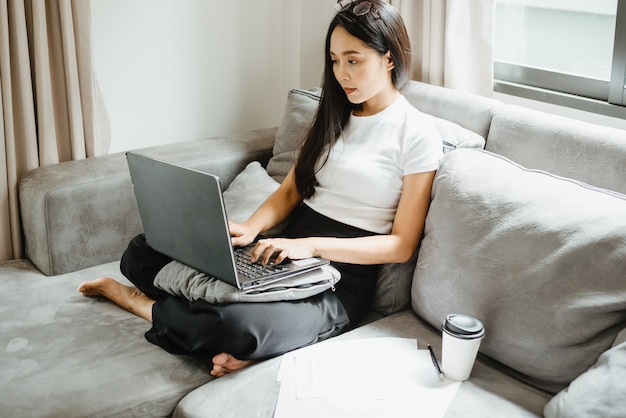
[(567, 52)]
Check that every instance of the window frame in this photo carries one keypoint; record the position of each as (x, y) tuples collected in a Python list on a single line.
[(598, 96), (617, 93)]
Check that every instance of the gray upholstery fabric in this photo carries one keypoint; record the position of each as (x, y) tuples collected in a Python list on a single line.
[(599, 392), (394, 281), (489, 394), (66, 355), (247, 192), (563, 146), (224, 156), (453, 136), (467, 110), (539, 259), (75, 214), (297, 118)]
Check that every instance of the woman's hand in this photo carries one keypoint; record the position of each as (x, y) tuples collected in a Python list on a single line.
[(279, 249), (241, 234)]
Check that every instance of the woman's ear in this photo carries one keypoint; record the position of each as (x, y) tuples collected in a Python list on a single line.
[(388, 60)]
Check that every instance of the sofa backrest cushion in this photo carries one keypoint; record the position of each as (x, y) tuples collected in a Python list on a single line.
[(394, 282), (539, 259), (250, 188), (297, 118), (563, 146), (464, 109)]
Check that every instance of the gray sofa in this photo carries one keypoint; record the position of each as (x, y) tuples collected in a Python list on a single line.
[(529, 235)]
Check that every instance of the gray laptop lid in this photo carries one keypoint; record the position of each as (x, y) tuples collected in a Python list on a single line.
[(183, 216), (170, 199)]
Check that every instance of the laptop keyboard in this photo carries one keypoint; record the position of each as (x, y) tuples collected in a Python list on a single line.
[(254, 270)]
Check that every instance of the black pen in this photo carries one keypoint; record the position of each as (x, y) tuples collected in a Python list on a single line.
[(435, 362)]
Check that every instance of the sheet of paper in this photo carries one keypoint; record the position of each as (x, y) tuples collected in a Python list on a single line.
[(372, 377)]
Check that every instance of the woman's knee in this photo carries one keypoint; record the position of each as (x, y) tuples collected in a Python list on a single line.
[(132, 255), (140, 264)]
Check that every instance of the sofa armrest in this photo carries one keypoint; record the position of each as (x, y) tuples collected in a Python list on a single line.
[(83, 213)]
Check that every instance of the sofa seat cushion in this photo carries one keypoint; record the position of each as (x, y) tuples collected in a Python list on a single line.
[(538, 258), (66, 355), (490, 393)]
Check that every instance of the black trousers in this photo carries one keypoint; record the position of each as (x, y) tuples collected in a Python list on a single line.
[(254, 330)]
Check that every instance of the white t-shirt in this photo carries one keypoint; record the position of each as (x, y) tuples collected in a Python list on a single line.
[(361, 182)]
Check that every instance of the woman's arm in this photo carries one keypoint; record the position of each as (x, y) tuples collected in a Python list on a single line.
[(276, 208), (397, 247)]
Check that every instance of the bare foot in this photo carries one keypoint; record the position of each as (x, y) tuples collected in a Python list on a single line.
[(129, 298), (224, 363)]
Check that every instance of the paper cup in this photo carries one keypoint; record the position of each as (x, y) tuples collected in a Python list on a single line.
[(461, 337)]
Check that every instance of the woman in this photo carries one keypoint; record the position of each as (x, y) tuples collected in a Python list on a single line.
[(357, 195)]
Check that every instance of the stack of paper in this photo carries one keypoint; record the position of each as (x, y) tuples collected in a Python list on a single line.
[(375, 377)]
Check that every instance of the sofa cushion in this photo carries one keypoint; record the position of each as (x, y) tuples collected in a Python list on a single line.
[(538, 258), (599, 392), (247, 191), (66, 355), (297, 118), (567, 147), (467, 110)]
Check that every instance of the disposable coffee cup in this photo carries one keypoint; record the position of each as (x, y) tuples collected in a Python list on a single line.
[(461, 336)]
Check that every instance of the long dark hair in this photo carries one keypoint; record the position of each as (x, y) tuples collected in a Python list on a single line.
[(382, 29)]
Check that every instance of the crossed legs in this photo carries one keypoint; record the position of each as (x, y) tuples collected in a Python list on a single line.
[(250, 330)]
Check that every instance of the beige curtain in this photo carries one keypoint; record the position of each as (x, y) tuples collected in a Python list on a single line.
[(50, 107), (452, 42)]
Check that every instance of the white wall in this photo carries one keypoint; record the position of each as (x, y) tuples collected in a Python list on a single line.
[(179, 70)]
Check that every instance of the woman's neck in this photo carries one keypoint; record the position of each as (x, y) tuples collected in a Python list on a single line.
[(378, 103)]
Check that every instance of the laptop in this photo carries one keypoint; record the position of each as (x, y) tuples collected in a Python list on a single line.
[(184, 217)]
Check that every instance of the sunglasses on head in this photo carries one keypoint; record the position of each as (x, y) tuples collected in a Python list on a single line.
[(360, 8)]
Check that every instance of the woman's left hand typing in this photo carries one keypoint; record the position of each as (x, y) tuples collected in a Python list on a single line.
[(279, 249)]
